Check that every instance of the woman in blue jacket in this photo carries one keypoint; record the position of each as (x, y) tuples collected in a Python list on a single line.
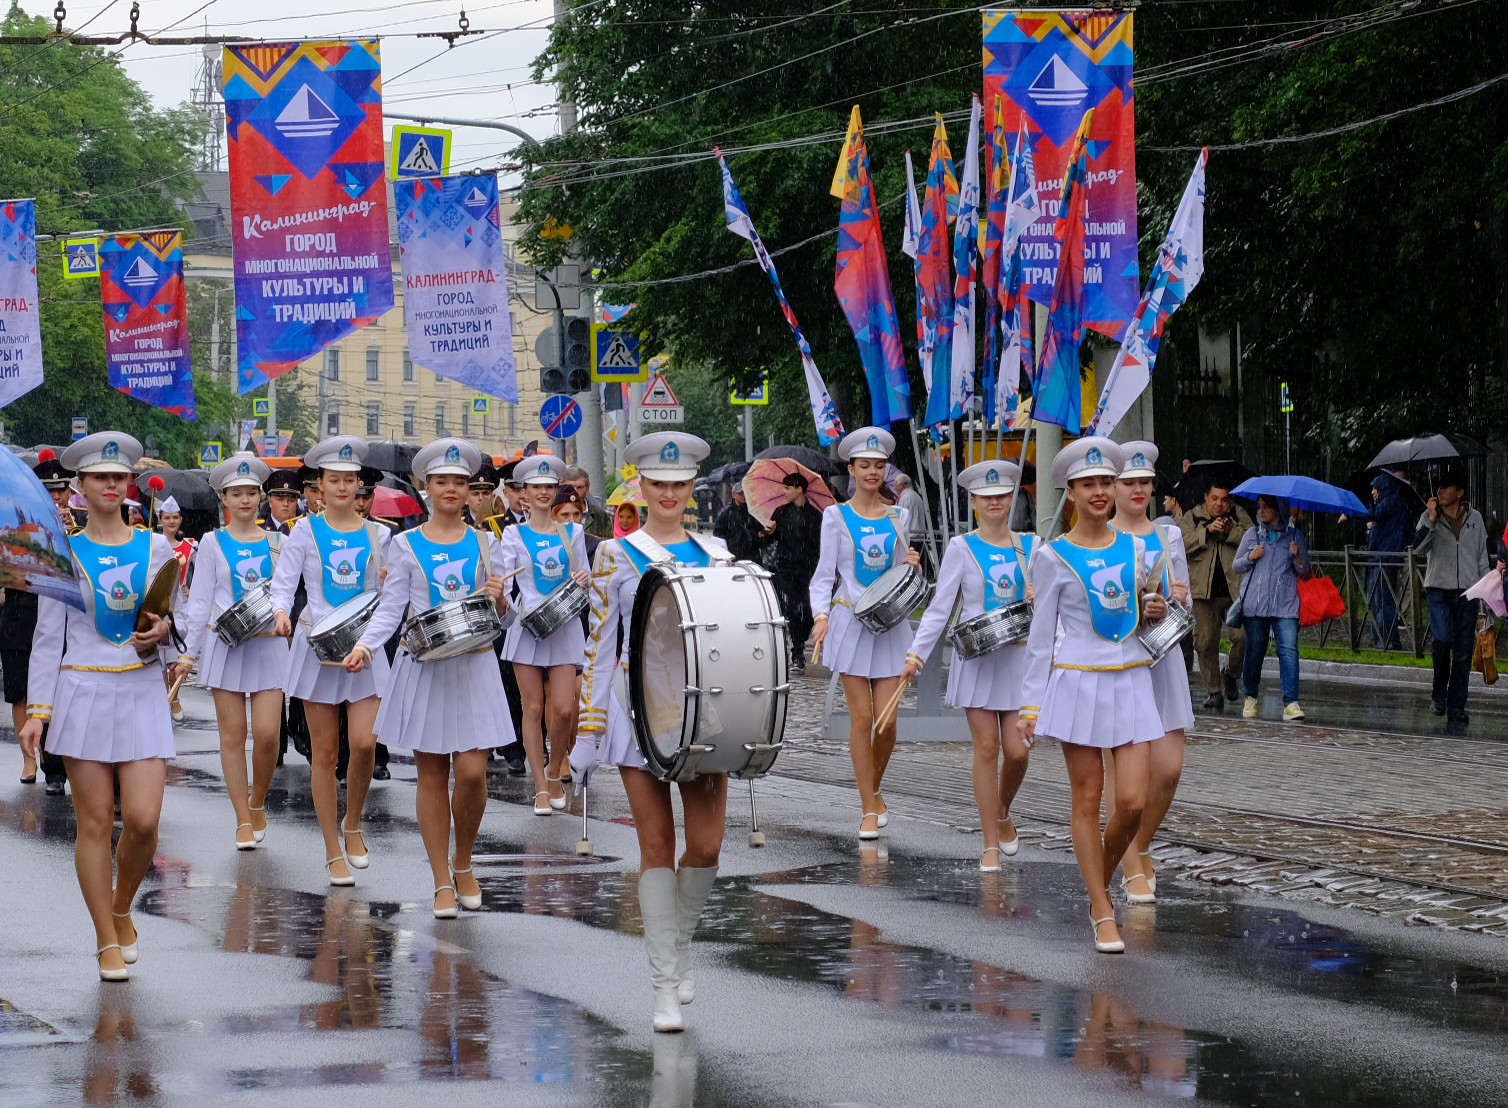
[(1273, 555)]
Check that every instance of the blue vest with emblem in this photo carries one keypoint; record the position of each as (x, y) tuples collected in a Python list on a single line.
[(547, 556), (685, 553), (450, 568), (117, 577), (1108, 576), (1004, 581), (874, 542), (343, 560), (250, 562), (1149, 560)]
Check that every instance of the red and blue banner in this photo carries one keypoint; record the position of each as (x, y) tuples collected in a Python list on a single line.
[(1049, 68), (1057, 390), (308, 199), (146, 319)]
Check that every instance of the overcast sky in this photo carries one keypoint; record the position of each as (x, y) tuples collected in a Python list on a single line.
[(484, 77)]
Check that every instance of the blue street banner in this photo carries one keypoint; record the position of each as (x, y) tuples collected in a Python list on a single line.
[(20, 321), (146, 319), (308, 198), (455, 289)]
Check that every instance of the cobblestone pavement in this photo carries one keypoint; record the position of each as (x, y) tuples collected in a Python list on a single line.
[(1398, 824)]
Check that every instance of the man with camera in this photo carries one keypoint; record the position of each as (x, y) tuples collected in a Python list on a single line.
[(1211, 532)]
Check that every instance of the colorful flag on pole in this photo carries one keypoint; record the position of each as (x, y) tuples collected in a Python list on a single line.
[(1049, 67), (308, 199), (1057, 390), (1022, 209), (455, 286), (611, 313), (965, 275), (934, 278), (20, 320), (146, 319), (1180, 264), (862, 282), (248, 428), (824, 411), (992, 232)]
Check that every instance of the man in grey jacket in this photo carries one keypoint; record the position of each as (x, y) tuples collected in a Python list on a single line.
[(1451, 532)]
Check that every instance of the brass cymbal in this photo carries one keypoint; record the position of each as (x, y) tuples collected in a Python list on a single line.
[(159, 597)]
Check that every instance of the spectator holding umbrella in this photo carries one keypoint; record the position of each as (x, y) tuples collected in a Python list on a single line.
[(1387, 533), (797, 524), (738, 530), (1273, 555), (1453, 536)]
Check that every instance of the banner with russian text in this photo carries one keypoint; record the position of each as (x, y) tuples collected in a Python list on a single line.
[(308, 199), (455, 289), (1049, 68), (20, 321), (146, 319)]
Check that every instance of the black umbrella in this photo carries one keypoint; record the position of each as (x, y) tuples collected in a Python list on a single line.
[(190, 487), (812, 459), (1360, 482), (1223, 473), (391, 456), (1425, 450)]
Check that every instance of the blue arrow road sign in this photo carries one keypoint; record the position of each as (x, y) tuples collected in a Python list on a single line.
[(560, 416)]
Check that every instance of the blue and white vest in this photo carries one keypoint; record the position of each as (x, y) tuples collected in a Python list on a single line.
[(1108, 576), (117, 576), (1004, 577), (450, 568), (344, 558)]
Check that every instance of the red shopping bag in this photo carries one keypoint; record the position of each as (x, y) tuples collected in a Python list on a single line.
[(1319, 600)]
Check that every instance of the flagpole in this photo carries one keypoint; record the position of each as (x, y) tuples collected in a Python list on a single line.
[(921, 481)]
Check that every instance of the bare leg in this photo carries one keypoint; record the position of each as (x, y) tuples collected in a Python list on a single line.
[(230, 711), (141, 787), (1086, 777), (705, 803), (1132, 761), (1012, 768), (266, 721), (324, 743), (361, 717), (94, 813), (561, 701), (531, 690), (984, 726), (1166, 770), (862, 706), (467, 803), (884, 740), (433, 804), (18, 720)]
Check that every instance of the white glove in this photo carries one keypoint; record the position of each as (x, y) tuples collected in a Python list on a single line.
[(584, 758)]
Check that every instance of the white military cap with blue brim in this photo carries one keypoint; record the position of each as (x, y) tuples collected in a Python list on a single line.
[(102, 452), (995, 477), (342, 453), (454, 456), (540, 469), (1087, 457), (238, 469), (867, 442), (1141, 459), (667, 455)]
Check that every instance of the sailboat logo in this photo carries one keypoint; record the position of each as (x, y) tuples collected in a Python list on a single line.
[(307, 116), (1057, 85), (476, 198), (139, 274)]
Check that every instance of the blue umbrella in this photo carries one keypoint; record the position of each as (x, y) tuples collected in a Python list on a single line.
[(1303, 492)]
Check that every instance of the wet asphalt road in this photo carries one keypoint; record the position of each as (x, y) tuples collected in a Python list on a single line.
[(830, 974)]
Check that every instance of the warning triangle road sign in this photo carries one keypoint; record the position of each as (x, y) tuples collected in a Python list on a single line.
[(658, 395)]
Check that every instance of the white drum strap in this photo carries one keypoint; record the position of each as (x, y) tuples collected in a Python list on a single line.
[(710, 547), (484, 556), (648, 547)]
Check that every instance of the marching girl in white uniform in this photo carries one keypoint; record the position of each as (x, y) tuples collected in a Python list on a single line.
[(987, 567), (232, 561), (451, 712), (339, 556), (1170, 680), (545, 668), (95, 682), (860, 541), (670, 898), (1088, 677)]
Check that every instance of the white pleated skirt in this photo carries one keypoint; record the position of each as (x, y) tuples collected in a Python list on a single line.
[(257, 665), (991, 681), (618, 745), (309, 679), (445, 707), (1170, 684), (566, 647), (1103, 708), (111, 717), (854, 649)]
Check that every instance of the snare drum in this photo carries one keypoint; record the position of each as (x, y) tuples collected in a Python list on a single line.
[(246, 618), (566, 603), (337, 634), (452, 628), (707, 683), (973, 638), (1168, 632), (898, 592)]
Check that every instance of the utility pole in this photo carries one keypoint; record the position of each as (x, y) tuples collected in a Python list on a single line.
[(749, 433)]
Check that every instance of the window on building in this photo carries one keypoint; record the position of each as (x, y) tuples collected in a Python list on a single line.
[(440, 382), (332, 419), (332, 364), (439, 419), (374, 363), (410, 419), (408, 368), (465, 423), (374, 419)]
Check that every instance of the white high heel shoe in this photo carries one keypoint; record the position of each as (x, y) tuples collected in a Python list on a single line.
[(990, 869), (252, 845), (470, 903), (357, 861), (885, 815), (1137, 898), (546, 809), (1009, 849), (866, 834), (556, 802), (1116, 947), (129, 951), (262, 834), (445, 913), (112, 974), (341, 882)]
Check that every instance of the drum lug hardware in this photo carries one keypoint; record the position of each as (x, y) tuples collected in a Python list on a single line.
[(694, 755), (756, 624), (710, 690), (762, 757), (756, 689), (692, 626)]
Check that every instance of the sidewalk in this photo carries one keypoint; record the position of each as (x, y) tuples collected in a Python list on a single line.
[(1369, 674)]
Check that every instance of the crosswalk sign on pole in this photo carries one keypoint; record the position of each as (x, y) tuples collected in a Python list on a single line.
[(80, 258), (759, 395), (479, 405), (261, 406), (616, 355), (209, 455), (420, 152)]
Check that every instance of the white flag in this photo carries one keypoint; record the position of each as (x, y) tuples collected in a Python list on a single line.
[(1021, 212), (965, 270)]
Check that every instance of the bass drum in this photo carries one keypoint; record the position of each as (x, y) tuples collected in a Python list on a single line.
[(707, 682)]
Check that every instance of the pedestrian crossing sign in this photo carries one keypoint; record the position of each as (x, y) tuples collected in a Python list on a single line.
[(615, 355), (1284, 397), (80, 258), (209, 455), (420, 152), (759, 395), (479, 405), (261, 406)]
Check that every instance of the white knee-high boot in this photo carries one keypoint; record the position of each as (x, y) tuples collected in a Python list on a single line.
[(657, 906), (692, 887)]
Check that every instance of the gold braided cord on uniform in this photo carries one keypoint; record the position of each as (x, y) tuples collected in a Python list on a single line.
[(595, 719)]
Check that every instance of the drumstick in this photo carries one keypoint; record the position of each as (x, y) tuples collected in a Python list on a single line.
[(176, 685), (891, 709), (817, 653)]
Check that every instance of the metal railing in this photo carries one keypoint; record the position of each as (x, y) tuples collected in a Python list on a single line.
[(1384, 595)]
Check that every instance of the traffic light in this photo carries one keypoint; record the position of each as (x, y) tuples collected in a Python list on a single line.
[(577, 362), (552, 379)]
